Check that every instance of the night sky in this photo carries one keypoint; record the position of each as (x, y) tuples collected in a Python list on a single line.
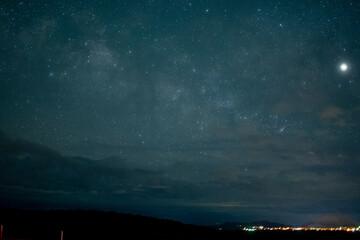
[(198, 111)]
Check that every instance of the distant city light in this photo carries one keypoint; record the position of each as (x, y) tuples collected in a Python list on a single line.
[(345, 229)]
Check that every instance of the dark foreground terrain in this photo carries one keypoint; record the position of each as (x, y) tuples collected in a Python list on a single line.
[(21, 224)]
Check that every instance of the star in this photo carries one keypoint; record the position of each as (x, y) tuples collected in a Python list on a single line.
[(344, 67), (281, 130)]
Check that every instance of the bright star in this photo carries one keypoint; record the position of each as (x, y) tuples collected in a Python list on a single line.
[(344, 67)]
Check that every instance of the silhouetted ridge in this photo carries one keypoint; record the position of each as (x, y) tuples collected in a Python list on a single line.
[(88, 225)]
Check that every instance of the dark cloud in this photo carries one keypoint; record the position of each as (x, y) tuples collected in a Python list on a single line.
[(33, 170), (38, 174), (331, 112), (339, 117)]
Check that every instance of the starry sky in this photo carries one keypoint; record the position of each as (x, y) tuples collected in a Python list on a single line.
[(198, 111)]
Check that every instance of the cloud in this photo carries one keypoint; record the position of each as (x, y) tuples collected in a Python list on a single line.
[(32, 172), (236, 175), (331, 112), (232, 204), (288, 167), (339, 117)]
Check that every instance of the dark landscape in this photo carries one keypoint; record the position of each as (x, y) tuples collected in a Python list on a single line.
[(47, 225)]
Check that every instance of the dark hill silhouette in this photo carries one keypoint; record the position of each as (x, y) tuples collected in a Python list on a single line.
[(91, 225), (88, 225)]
